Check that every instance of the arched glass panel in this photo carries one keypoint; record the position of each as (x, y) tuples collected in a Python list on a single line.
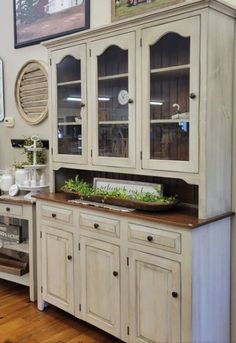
[(69, 130), (113, 96), (169, 98)]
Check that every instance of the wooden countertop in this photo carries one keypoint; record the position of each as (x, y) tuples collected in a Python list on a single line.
[(19, 199), (179, 216)]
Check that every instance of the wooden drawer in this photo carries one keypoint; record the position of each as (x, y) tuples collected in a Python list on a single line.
[(11, 210), (57, 214), (99, 224), (161, 239)]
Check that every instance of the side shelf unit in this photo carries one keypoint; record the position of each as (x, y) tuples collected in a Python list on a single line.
[(19, 209)]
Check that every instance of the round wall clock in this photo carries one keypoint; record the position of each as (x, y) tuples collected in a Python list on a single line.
[(123, 97), (31, 92)]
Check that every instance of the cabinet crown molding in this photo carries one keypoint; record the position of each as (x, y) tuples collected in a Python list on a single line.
[(160, 14)]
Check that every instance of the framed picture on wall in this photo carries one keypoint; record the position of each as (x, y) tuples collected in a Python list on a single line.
[(126, 8), (1, 92), (39, 20)]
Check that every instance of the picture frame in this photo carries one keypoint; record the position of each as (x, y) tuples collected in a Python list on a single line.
[(122, 9), (37, 21), (2, 114)]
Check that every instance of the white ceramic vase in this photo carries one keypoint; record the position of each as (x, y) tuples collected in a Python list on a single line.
[(20, 175), (7, 181)]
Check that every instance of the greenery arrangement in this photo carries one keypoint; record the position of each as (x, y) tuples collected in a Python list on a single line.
[(41, 157), (84, 189), (19, 165)]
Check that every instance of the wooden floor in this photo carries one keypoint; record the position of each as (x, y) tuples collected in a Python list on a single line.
[(21, 322)]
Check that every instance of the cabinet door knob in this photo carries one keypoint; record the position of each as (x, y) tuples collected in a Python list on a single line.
[(82, 104), (149, 238), (96, 226), (69, 257), (174, 294), (8, 209), (54, 215), (115, 273), (130, 101), (192, 96)]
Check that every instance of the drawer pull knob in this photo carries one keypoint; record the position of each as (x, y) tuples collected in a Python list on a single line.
[(8, 209), (54, 215), (130, 101), (115, 273), (174, 294), (96, 226), (192, 96), (69, 257), (149, 238)]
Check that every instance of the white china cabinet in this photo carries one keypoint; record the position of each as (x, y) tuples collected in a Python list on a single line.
[(159, 103), (149, 96)]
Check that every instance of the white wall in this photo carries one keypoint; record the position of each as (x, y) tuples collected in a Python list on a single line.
[(13, 60)]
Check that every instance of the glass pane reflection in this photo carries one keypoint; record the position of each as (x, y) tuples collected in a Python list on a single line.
[(69, 103), (169, 141), (69, 139), (68, 70), (113, 140), (109, 108)]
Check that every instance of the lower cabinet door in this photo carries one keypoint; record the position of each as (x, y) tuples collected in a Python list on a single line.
[(57, 268), (154, 299), (100, 284)]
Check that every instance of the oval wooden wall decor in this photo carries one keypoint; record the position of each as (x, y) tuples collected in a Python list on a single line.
[(31, 92)]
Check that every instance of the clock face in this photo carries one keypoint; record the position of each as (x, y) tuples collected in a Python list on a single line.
[(123, 97), (13, 190)]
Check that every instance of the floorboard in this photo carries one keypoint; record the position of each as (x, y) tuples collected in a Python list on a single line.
[(22, 322)]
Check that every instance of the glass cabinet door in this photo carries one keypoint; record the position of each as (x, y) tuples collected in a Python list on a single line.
[(171, 89), (113, 68), (70, 135)]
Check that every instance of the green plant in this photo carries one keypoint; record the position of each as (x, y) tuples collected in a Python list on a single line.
[(19, 165), (41, 156), (85, 189)]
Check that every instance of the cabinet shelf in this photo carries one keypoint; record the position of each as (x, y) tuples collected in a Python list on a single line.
[(69, 83), (168, 121), (23, 247), (114, 122), (169, 71), (71, 123), (22, 280), (111, 77)]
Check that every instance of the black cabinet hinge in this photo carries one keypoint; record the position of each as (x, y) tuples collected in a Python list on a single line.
[(141, 42), (41, 234), (50, 61), (127, 261), (127, 330), (79, 246), (91, 152), (51, 151), (141, 155), (90, 53), (80, 307), (41, 289)]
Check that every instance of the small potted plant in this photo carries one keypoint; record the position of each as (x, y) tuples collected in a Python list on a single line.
[(20, 172)]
